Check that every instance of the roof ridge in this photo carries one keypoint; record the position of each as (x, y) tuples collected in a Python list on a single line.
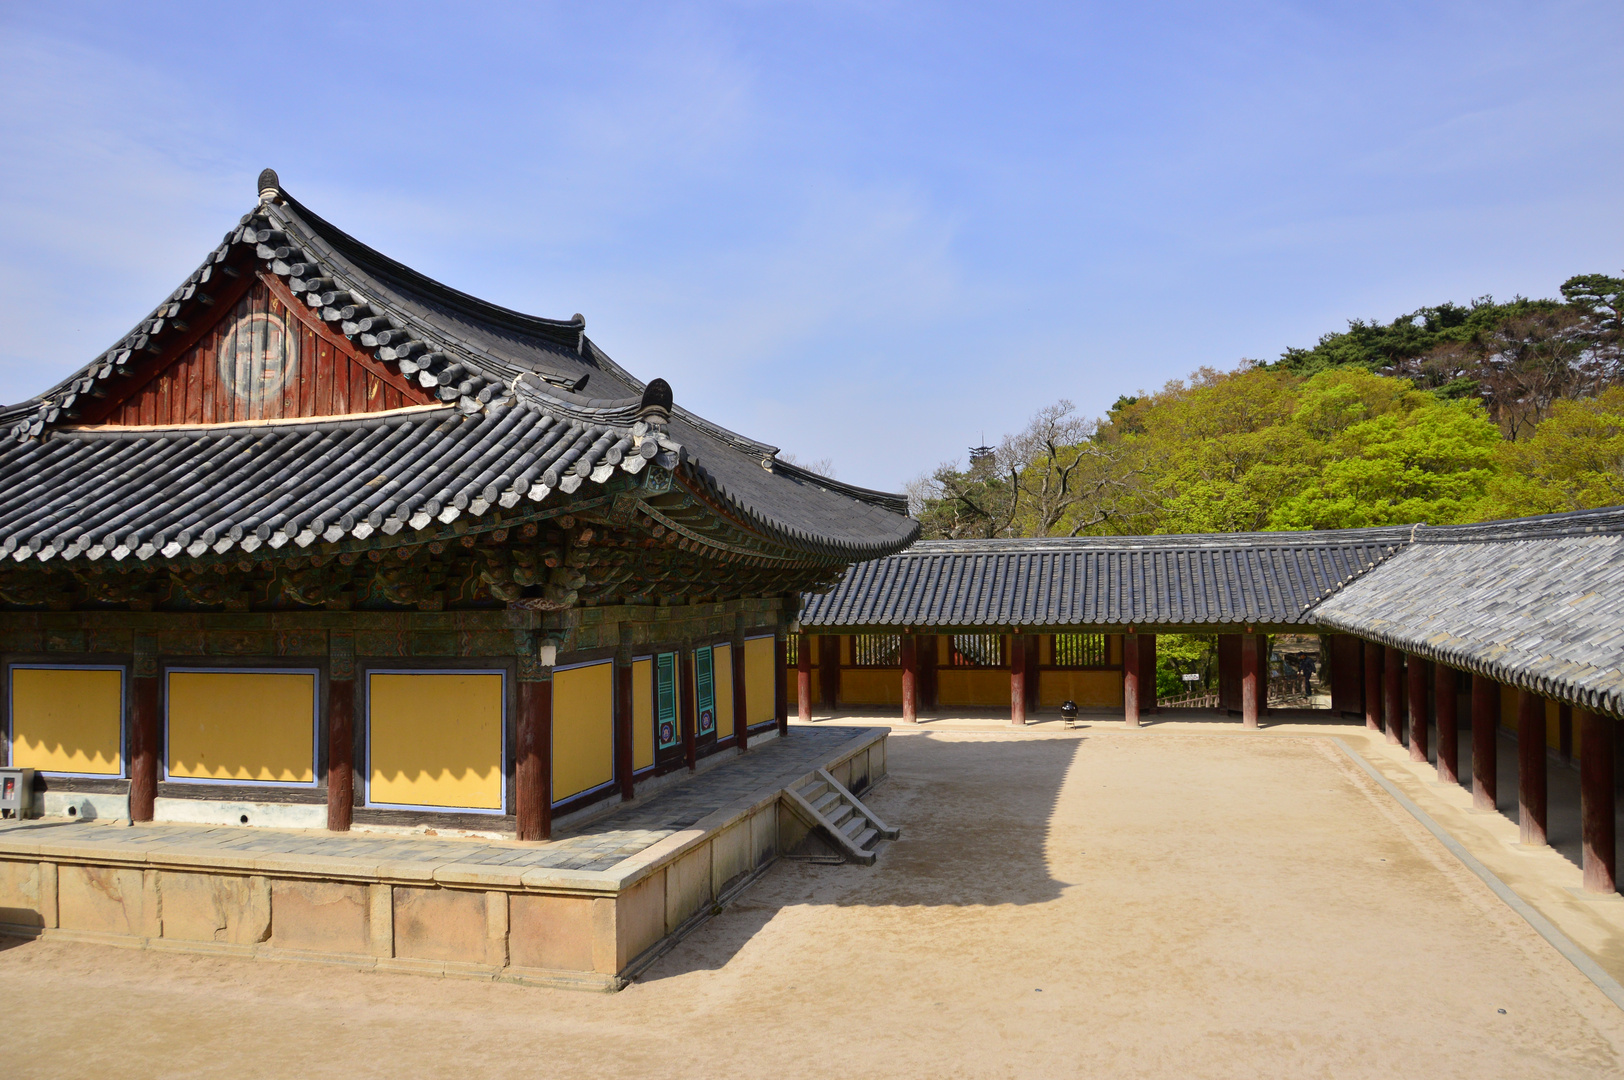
[(569, 329), (456, 347), (1167, 541), (1600, 520)]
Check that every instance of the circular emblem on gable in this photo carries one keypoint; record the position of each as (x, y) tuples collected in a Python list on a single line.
[(256, 356)]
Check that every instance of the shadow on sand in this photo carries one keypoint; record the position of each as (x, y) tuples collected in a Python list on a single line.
[(975, 817)]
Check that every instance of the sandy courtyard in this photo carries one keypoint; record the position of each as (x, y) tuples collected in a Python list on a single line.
[(1079, 904)]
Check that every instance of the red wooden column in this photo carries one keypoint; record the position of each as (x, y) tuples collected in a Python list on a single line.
[(910, 680), (1531, 801), (780, 682), (623, 722), (1373, 686), (1393, 693), (1147, 674), (803, 677), (1417, 673), (144, 729), (1017, 681), (1251, 690), (741, 704), (1598, 807), (690, 748), (340, 754), (340, 731), (829, 670), (1485, 750), (1130, 678), (533, 767), (1443, 703)]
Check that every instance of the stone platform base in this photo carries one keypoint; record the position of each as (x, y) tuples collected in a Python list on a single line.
[(408, 905)]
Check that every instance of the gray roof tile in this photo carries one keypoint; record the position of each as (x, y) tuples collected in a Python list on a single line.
[(513, 430), (1536, 603), (1212, 580)]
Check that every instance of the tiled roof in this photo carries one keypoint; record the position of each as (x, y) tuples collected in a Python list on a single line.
[(532, 406), (1207, 580), (1536, 603)]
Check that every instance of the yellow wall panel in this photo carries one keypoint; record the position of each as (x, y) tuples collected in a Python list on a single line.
[(254, 726), (1508, 707), (758, 680), (583, 729), (67, 720), (870, 686), (643, 713), (1096, 689), (722, 672), (435, 739), (972, 686), (1553, 724)]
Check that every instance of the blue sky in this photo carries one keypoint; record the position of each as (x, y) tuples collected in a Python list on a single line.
[(862, 231)]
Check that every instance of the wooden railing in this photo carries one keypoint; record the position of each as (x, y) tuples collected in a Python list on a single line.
[(1195, 700)]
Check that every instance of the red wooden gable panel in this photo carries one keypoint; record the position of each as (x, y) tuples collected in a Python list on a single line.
[(266, 358)]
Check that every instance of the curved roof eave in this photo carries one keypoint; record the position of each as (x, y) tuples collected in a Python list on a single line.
[(476, 356)]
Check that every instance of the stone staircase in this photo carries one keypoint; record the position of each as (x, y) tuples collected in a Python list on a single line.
[(840, 816)]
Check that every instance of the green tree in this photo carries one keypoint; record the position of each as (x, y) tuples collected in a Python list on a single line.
[(1262, 448), (1431, 463), (1178, 654), (1573, 461), (1599, 301), (1376, 346), (1518, 358), (1213, 455)]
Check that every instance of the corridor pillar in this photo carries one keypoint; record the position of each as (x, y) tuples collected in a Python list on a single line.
[(1531, 800), (1417, 679), (1598, 807), (1444, 704), (1130, 679), (910, 679), (1485, 748), (803, 676), (1373, 686), (1251, 691), (1393, 694)]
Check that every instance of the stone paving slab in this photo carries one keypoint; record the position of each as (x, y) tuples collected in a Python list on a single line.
[(597, 846)]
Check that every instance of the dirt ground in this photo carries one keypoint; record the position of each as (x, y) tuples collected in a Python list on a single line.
[(1070, 904)]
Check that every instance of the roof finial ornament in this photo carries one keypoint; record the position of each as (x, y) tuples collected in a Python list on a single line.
[(270, 188), (655, 408)]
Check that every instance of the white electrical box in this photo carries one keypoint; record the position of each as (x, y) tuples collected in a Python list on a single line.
[(16, 793)]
